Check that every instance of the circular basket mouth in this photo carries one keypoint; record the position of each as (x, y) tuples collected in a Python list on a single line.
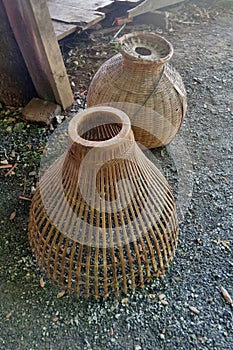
[(100, 126), (146, 47)]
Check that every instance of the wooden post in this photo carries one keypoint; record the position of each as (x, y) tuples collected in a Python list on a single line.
[(34, 33)]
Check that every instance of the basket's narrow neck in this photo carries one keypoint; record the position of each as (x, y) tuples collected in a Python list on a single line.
[(96, 155), (133, 66), (99, 134)]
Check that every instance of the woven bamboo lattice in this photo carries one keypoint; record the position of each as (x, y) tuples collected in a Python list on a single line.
[(140, 75), (103, 217)]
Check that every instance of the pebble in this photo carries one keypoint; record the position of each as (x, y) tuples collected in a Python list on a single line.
[(4, 162), (162, 296), (137, 347)]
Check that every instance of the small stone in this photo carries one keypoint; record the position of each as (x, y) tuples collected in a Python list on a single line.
[(41, 111), (162, 296), (76, 321), (4, 162), (59, 118), (33, 189), (164, 302), (162, 336), (137, 347)]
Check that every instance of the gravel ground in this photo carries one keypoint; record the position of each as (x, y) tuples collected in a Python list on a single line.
[(184, 310)]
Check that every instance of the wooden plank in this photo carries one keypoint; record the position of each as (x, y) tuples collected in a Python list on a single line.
[(70, 14), (89, 4), (63, 29), (33, 30), (150, 6)]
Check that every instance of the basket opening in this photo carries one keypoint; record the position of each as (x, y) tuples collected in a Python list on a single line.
[(99, 126), (143, 51), (102, 132)]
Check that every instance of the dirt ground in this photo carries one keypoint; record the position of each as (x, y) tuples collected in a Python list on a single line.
[(195, 314)]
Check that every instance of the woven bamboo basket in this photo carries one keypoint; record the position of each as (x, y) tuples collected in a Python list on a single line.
[(103, 218), (140, 75)]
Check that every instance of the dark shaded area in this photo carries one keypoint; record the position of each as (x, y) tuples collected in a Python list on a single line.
[(16, 87)]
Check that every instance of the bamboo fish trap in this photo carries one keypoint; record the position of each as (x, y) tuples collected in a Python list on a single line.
[(140, 76), (103, 217)]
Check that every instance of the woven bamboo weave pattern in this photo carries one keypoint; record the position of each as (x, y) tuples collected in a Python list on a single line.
[(140, 75), (103, 218)]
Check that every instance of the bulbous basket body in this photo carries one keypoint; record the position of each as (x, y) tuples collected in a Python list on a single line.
[(140, 76), (103, 218)]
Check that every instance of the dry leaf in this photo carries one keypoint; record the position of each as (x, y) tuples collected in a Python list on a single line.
[(226, 295), (111, 332), (8, 315), (164, 302), (12, 216), (61, 294), (55, 319), (202, 340), (151, 296), (42, 282), (124, 300), (194, 310)]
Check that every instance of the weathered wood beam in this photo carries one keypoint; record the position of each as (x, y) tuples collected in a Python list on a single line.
[(34, 33)]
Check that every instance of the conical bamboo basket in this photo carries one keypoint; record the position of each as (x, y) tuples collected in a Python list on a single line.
[(141, 76), (103, 217)]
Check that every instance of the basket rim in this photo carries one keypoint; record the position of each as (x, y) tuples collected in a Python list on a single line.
[(145, 59), (80, 117)]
